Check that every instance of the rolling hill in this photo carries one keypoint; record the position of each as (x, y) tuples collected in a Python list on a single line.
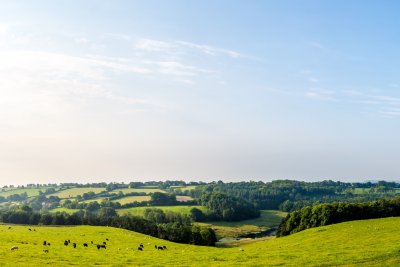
[(370, 242)]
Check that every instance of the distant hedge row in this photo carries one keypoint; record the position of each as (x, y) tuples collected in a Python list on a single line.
[(325, 214)]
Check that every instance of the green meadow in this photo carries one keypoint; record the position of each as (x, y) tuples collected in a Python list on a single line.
[(137, 190), (73, 192), (31, 192), (131, 199), (358, 243)]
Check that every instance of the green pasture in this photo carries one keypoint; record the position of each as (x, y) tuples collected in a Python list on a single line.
[(357, 243), (73, 192), (131, 199), (137, 190), (30, 191)]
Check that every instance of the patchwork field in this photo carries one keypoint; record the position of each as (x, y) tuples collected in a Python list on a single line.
[(139, 211), (131, 199), (138, 190), (358, 243), (73, 192), (31, 192)]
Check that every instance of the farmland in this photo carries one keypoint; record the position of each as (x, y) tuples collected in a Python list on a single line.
[(137, 190), (29, 191), (73, 192), (139, 211), (369, 242), (131, 199)]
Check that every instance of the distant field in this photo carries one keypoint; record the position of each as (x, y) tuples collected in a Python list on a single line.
[(183, 198), (73, 192), (66, 210), (30, 191), (138, 190), (139, 211), (99, 200), (268, 219), (358, 243), (131, 199)]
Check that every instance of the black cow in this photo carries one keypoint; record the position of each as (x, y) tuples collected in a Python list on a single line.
[(160, 248), (69, 241), (85, 245), (107, 239), (155, 246), (103, 246), (139, 248), (48, 243), (45, 250), (91, 242), (9, 227), (164, 247), (30, 229), (74, 244), (104, 243), (66, 243), (98, 246), (44, 243), (141, 245)]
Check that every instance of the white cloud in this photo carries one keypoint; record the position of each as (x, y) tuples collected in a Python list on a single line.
[(4, 28), (211, 50), (321, 94)]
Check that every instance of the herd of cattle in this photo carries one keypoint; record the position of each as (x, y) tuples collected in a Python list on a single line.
[(103, 245)]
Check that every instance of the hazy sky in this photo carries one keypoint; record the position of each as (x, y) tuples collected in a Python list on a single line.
[(199, 90)]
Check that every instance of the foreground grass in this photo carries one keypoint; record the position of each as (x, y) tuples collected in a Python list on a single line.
[(358, 243)]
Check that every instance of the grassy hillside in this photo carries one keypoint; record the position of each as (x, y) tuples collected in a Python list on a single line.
[(73, 192), (137, 190), (29, 191), (358, 243), (131, 199)]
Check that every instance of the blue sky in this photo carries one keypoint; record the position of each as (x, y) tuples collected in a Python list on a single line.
[(198, 90)]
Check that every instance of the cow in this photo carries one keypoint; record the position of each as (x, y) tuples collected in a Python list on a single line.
[(160, 248), (98, 246), (30, 229), (48, 243), (139, 248), (107, 239), (44, 243), (91, 242), (155, 246), (45, 250), (14, 248), (104, 243), (103, 246), (164, 247), (66, 243), (74, 244), (9, 227), (85, 245), (141, 245)]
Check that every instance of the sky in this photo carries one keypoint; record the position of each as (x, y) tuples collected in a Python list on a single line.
[(199, 90)]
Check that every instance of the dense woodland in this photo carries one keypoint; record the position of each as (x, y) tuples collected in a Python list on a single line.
[(330, 213)]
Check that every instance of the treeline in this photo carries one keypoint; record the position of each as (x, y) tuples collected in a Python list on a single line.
[(330, 213), (288, 195), (170, 226), (224, 207)]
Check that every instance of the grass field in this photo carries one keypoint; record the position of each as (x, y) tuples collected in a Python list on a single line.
[(30, 191), (66, 210), (138, 190), (358, 243), (268, 219), (183, 198), (99, 200), (139, 211), (73, 192), (131, 199)]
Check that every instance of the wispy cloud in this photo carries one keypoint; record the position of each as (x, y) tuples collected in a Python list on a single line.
[(322, 94)]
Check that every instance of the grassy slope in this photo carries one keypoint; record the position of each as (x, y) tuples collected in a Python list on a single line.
[(73, 192), (30, 191), (137, 190), (363, 243), (131, 199)]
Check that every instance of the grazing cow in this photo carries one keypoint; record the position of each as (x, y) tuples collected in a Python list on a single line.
[(9, 227), (104, 243), (30, 229), (160, 248), (107, 239), (74, 244), (48, 243), (44, 243), (66, 243), (14, 248), (34, 230), (98, 246), (164, 247), (103, 246), (91, 242), (155, 246), (139, 248), (85, 245), (141, 245), (45, 250)]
